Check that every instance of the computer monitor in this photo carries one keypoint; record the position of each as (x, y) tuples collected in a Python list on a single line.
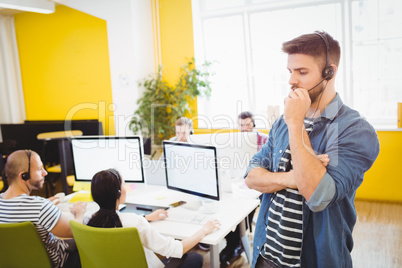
[(191, 169), (234, 149), (155, 172), (95, 153)]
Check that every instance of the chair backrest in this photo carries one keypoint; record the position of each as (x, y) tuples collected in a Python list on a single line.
[(108, 247), (21, 246)]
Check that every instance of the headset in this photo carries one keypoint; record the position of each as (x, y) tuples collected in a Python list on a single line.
[(27, 175), (114, 172), (328, 72)]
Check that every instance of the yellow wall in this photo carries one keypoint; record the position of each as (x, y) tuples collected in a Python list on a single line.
[(384, 180), (176, 39), (65, 67)]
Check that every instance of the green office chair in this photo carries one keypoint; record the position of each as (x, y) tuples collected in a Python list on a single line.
[(112, 247), (108, 247), (21, 246)]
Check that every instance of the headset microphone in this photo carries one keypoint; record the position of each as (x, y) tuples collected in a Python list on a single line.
[(316, 85)]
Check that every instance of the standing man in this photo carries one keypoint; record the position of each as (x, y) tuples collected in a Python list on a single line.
[(307, 213), (24, 171)]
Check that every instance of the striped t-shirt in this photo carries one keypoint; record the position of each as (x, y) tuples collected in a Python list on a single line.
[(285, 219), (43, 214)]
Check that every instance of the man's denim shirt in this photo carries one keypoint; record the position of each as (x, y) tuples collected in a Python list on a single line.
[(329, 216)]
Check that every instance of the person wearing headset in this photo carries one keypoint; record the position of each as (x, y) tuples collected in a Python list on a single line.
[(108, 191), (307, 212), (184, 128), (25, 172), (247, 124)]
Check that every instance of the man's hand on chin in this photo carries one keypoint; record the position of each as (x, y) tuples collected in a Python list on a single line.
[(297, 104)]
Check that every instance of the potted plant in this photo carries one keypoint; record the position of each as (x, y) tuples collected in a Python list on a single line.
[(161, 104)]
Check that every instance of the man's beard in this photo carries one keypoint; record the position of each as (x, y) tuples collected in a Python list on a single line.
[(316, 93), (37, 185)]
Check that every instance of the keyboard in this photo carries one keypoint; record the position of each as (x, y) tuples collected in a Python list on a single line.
[(188, 218)]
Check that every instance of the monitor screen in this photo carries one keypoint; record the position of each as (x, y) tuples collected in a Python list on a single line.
[(95, 153), (191, 168), (234, 149)]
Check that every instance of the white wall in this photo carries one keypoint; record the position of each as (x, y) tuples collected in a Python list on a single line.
[(131, 49)]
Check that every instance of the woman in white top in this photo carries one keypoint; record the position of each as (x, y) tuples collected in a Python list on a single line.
[(108, 191)]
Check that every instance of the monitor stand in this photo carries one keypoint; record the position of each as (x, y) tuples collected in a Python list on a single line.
[(208, 206), (194, 204)]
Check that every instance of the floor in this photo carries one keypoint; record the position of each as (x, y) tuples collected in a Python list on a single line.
[(377, 236)]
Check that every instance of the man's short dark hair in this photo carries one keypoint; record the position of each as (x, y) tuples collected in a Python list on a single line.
[(313, 45), (244, 115)]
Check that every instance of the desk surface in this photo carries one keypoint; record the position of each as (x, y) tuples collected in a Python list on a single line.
[(231, 209)]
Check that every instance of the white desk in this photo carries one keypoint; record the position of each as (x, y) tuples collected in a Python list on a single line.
[(232, 209)]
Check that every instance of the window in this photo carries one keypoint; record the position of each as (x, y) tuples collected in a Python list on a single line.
[(244, 39)]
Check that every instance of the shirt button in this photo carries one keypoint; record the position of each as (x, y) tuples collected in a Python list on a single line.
[(280, 151), (258, 247)]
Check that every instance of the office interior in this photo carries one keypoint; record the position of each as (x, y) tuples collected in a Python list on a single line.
[(84, 60)]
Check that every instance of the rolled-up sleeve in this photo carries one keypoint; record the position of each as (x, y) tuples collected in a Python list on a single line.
[(351, 154), (323, 194)]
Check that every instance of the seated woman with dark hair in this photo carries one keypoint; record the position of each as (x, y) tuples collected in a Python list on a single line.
[(108, 192)]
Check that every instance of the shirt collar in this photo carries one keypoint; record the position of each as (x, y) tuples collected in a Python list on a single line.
[(332, 108)]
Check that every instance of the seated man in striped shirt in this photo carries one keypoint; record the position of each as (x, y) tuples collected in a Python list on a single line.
[(25, 172), (307, 212)]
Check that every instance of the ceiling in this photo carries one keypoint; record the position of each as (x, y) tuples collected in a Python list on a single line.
[(11, 7), (6, 11)]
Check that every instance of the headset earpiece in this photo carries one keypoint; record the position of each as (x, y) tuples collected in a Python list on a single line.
[(328, 73), (27, 175), (118, 194)]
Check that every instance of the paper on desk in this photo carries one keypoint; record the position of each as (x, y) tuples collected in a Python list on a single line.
[(130, 187), (78, 186), (81, 197)]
